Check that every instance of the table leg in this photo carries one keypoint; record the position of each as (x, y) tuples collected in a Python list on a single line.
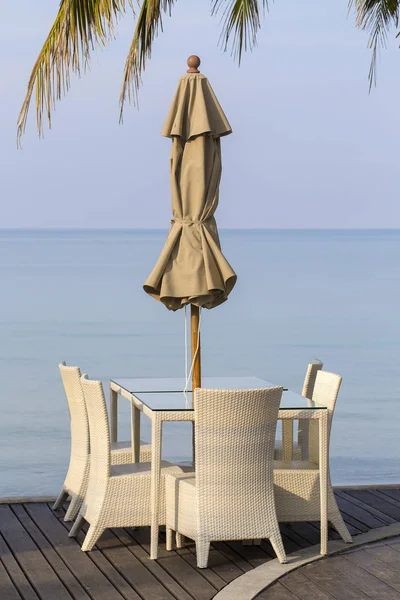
[(156, 439), (287, 439), (323, 474), (114, 415), (135, 433)]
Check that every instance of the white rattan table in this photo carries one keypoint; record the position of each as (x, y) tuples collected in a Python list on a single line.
[(163, 400)]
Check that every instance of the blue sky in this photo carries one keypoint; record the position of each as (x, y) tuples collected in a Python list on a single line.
[(310, 148)]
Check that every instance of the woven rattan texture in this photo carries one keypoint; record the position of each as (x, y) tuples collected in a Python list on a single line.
[(297, 489), (77, 477), (117, 496), (231, 495)]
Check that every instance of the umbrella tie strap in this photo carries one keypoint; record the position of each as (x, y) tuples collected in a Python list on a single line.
[(189, 222)]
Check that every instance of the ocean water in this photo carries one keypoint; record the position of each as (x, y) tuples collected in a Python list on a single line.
[(77, 296)]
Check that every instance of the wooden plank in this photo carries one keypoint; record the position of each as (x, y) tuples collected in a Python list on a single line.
[(142, 581), (78, 562), (287, 531), (232, 556), (220, 570), (360, 500), (105, 567), (209, 574), (307, 532), (125, 537), (26, 499), (364, 517), (370, 561), (15, 573), (7, 589), (226, 570), (392, 506), (194, 583), (380, 502), (167, 581), (191, 581), (36, 568), (304, 588), (391, 492), (386, 554), (330, 580), (72, 585), (367, 583), (289, 545), (268, 549), (141, 535), (277, 592), (254, 555), (186, 554), (332, 533)]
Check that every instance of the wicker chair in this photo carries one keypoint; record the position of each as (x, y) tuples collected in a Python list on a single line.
[(230, 496), (76, 480), (117, 495), (288, 448), (297, 493)]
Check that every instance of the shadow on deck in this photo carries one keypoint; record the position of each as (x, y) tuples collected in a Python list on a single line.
[(39, 561)]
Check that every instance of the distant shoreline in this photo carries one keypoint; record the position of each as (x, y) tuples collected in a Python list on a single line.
[(163, 229)]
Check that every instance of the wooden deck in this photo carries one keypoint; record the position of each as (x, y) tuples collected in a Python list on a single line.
[(372, 571), (39, 561)]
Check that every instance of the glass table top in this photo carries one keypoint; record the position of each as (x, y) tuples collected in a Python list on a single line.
[(164, 399), (177, 384)]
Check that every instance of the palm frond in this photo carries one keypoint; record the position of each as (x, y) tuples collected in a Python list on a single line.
[(242, 20), (376, 17), (148, 24), (80, 25)]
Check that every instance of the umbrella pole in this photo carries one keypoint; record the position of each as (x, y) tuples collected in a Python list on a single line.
[(196, 360)]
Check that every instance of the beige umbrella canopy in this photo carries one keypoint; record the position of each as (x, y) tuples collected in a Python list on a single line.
[(191, 268)]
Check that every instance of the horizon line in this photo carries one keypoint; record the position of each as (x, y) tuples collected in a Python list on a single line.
[(163, 229)]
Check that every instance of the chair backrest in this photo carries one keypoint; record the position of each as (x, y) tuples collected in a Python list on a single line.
[(309, 381), (326, 390), (98, 427), (234, 441), (71, 378), (303, 435)]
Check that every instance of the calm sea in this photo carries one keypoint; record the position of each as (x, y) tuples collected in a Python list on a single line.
[(77, 296)]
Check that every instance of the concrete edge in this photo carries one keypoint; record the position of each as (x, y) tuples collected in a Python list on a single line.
[(26, 499), (250, 584)]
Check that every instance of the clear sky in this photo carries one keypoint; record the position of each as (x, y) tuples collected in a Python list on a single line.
[(310, 148)]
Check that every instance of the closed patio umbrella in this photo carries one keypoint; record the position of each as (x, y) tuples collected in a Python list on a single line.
[(191, 268)]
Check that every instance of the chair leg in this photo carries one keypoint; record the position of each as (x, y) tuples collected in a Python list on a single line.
[(76, 527), (180, 540), (340, 526), (91, 538), (335, 517), (168, 541), (63, 495), (73, 508), (202, 550), (277, 544)]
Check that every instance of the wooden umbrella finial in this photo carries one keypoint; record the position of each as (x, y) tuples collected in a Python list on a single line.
[(193, 63)]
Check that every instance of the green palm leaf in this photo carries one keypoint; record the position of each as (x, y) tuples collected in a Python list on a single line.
[(376, 17), (148, 24), (79, 26), (241, 19)]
